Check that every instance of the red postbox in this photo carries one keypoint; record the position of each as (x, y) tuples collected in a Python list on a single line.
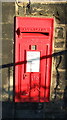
[(33, 50)]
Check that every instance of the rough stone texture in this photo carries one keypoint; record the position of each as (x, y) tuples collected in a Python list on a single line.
[(57, 106), (8, 13)]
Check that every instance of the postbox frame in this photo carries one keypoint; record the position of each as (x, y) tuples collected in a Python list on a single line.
[(19, 30)]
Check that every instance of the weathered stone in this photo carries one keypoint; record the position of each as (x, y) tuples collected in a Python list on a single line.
[(62, 64), (59, 44), (56, 10), (8, 12), (53, 109)]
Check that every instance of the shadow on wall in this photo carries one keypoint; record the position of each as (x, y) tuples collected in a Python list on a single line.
[(65, 90), (65, 97), (23, 62), (38, 108)]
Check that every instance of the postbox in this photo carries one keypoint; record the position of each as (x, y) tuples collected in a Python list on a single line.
[(33, 58)]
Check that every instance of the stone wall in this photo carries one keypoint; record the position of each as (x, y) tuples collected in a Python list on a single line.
[(58, 11), (8, 13), (56, 108)]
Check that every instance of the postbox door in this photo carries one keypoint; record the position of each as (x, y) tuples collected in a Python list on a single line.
[(34, 69), (29, 75)]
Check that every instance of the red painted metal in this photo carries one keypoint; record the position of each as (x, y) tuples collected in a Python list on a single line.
[(33, 36)]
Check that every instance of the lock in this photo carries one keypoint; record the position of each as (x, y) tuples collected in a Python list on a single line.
[(24, 75)]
